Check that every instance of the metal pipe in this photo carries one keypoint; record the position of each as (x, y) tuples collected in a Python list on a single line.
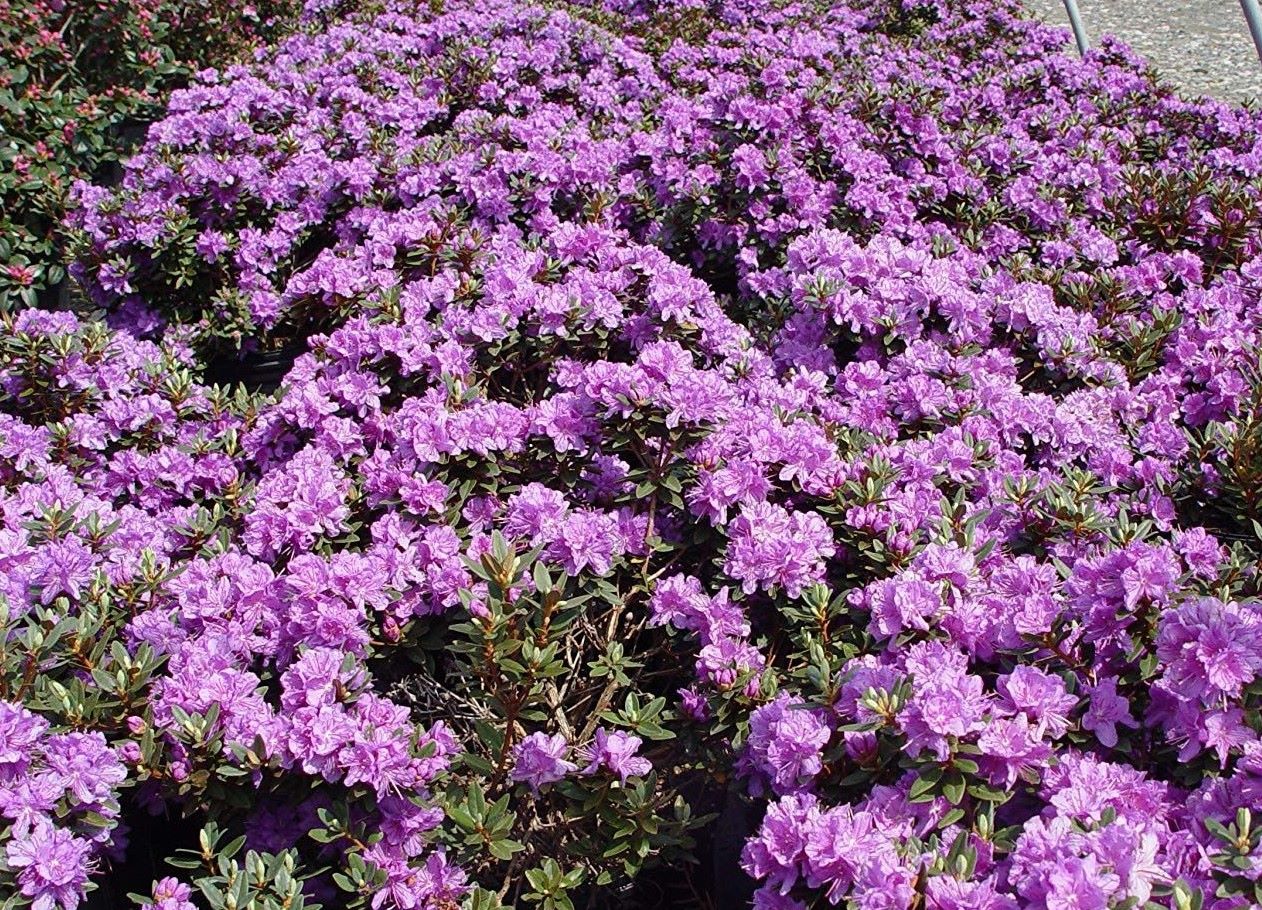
[(1253, 16), (1080, 33)]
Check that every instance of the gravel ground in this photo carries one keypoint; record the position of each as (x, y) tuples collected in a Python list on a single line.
[(1202, 46)]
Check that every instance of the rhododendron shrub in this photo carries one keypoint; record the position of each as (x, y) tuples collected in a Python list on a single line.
[(525, 509), (143, 649), (77, 79), (845, 418), (280, 195)]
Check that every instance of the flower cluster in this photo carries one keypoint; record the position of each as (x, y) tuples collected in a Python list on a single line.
[(60, 804), (129, 585), (359, 153)]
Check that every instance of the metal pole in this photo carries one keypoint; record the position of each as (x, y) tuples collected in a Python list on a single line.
[(1080, 34), (1254, 17)]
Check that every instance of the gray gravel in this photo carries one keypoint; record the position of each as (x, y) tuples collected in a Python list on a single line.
[(1201, 46)]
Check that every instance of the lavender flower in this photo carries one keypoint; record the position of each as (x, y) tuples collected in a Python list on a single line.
[(615, 753), (786, 743), (540, 759), (52, 866)]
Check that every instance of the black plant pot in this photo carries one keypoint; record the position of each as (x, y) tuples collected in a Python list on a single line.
[(257, 371)]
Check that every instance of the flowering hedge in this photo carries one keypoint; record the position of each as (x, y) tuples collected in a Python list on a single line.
[(848, 411)]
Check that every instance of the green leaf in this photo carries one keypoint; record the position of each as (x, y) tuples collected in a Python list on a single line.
[(951, 818), (504, 849), (462, 818), (323, 835), (543, 581), (925, 787)]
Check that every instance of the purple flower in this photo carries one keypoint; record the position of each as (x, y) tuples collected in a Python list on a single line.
[(777, 852), (840, 844), (63, 567), (536, 513), (1011, 746), (171, 894), (114, 277), (694, 705), (679, 601), (540, 759), (588, 540), (436, 882), (786, 744), (1211, 647), (298, 504), (84, 766), (766, 899), (946, 703), (1225, 732), (53, 866), (1106, 710), (211, 245), (20, 730), (1079, 884), (1041, 696), (615, 753), (770, 546), (903, 602)]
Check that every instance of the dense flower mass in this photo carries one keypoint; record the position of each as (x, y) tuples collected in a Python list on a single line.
[(60, 801), (849, 411)]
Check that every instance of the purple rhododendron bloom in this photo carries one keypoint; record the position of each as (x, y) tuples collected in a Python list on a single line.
[(786, 744), (1107, 709), (52, 866), (170, 894), (615, 753), (771, 546), (540, 759), (20, 730)]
